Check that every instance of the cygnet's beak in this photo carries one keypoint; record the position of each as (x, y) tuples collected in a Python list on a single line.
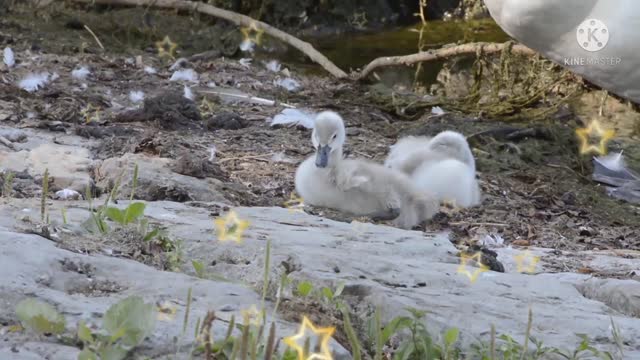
[(322, 156)]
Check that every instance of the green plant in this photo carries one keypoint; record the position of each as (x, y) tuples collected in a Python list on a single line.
[(45, 192), (40, 317), (7, 186), (126, 324), (134, 182), (331, 295), (304, 288), (198, 266), (128, 215), (96, 221), (174, 256)]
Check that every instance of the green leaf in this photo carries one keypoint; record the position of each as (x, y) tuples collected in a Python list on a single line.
[(339, 289), (150, 235), (405, 351), (87, 354), (327, 293), (451, 336), (289, 355), (84, 333), (40, 317), (304, 288), (394, 326), (133, 212), (112, 352), (199, 268), (417, 314), (131, 317), (115, 214), (115, 336)]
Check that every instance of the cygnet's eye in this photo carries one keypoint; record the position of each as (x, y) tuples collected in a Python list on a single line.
[(334, 137)]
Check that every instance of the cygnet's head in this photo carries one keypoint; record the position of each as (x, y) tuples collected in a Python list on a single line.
[(328, 137)]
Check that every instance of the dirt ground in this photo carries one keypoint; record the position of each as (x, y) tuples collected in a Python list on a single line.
[(537, 190)]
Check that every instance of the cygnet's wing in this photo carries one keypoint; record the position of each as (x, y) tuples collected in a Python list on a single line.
[(351, 175), (402, 155)]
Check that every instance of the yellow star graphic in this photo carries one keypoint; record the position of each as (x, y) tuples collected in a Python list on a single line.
[(252, 315), (231, 227), (594, 128), (164, 44), (166, 311), (462, 269), (530, 259), (324, 354), (87, 113), (359, 19), (253, 28), (294, 203)]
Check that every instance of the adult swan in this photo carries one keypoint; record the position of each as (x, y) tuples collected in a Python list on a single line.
[(597, 39)]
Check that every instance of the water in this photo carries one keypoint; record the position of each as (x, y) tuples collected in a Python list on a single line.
[(356, 50)]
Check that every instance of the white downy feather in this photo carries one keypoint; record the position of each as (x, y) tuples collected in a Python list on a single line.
[(273, 65), (294, 117), (437, 110), (9, 58), (246, 62), (188, 93), (150, 70), (613, 162), (33, 81), (136, 96), (288, 83), (247, 45), (185, 74), (492, 240), (80, 73), (68, 194)]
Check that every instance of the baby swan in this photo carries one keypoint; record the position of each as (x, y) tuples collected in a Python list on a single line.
[(443, 165), (357, 186)]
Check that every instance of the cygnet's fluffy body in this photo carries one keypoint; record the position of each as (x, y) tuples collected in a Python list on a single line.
[(356, 186), (443, 166)]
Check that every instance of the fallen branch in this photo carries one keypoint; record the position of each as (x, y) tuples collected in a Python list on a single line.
[(238, 19), (440, 54)]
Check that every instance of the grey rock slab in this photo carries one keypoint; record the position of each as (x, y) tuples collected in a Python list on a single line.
[(13, 135), (34, 267), (396, 269), (69, 166), (38, 350), (156, 180)]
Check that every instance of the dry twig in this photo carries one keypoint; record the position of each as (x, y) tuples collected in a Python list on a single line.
[(439, 54)]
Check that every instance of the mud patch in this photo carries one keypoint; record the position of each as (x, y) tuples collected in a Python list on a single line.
[(169, 110)]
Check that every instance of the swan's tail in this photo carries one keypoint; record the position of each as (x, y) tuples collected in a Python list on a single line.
[(453, 145)]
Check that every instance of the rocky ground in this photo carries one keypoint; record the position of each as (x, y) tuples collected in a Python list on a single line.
[(197, 159)]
